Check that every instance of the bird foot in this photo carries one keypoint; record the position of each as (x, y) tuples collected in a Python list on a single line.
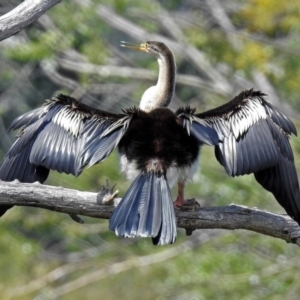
[(107, 195), (188, 205)]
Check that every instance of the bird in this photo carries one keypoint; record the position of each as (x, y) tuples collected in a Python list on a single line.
[(158, 148)]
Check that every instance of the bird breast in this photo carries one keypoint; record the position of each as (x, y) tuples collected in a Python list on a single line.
[(157, 142)]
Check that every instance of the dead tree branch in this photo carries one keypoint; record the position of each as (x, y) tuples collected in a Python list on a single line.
[(128, 72), (112, 269), (21, 16), (89, 204), (260, 79)]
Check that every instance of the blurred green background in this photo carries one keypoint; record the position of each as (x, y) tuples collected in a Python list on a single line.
[(221, 48)]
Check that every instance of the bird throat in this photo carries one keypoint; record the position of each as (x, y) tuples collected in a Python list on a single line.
[(161, 94)]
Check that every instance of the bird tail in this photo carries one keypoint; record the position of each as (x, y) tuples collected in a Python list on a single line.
[(146, 210)]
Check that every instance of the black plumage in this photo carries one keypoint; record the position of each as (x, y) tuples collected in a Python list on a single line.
[(158, 148), (169, 140)]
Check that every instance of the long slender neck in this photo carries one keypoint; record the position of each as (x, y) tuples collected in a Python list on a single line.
[(161, 94)]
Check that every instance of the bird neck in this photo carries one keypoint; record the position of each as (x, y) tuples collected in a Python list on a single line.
[(161, 94)]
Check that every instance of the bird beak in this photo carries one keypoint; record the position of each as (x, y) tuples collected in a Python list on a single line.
[(139, 47)]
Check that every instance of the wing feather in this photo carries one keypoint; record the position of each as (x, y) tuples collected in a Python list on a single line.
[(254, 138), (250, 133), (63, 135)]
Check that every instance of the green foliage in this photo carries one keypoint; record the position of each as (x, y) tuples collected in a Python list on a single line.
[(40, 48), (272, 19), (271, 16)]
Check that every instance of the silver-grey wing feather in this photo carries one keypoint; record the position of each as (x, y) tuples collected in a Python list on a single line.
[(63, 135), (146, 210), (254, 138)]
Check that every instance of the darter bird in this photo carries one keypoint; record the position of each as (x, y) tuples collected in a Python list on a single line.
[(158, 148)]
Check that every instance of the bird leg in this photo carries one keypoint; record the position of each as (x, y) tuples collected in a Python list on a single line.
[(185, 204), (180, 198), (189, 204)]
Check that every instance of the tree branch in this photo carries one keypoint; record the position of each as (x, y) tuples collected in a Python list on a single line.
[(90, 204), (60, 274), (21, 16), (128, 72), (199, 58), (260, 79)]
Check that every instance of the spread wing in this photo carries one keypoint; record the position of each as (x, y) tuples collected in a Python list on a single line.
[(254, 138), (63, 135), (197, 127)]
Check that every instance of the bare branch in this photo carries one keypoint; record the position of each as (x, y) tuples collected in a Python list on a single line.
[(199, 58), (260, 79), (112, 269), (89, 204), (218, 12), (24, 14), (119, 267), (128, 72)]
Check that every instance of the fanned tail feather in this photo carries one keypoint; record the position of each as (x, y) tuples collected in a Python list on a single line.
[(146, 210)]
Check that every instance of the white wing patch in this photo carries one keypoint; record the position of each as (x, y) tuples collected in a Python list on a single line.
[(240, 121), (69, 120), (124, 122)]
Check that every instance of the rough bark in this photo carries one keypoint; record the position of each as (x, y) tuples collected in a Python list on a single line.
[(191, 217), (21, 16)]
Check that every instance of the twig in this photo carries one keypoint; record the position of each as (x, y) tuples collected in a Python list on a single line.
[(138, 33), (119, 267), (260, 79), (128, 72), (113, 268)]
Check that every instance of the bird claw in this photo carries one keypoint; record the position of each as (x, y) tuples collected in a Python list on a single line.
[(107, 195), (189, 205)]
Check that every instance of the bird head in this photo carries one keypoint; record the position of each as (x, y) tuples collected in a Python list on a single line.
[(152, 47)]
